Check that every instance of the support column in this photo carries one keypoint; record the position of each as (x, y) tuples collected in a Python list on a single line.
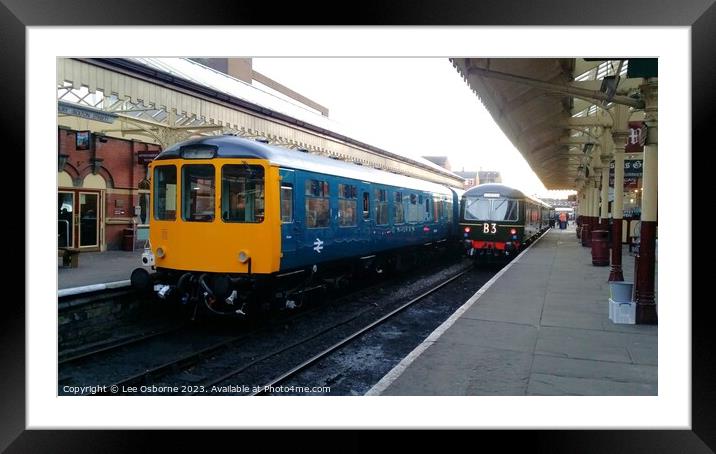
[(604, 207), (588, 213), (619, 134), (580, 206), (646, 260)]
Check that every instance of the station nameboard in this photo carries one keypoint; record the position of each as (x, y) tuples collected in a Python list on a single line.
[(77, 110)]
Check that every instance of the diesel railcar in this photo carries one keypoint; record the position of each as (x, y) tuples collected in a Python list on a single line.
[(235, 221), (497, 221)]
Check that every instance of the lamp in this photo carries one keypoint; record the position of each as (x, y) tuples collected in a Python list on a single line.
[(61, 161), (96, 164)]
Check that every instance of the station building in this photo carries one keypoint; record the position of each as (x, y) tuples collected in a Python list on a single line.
[(116, 115)]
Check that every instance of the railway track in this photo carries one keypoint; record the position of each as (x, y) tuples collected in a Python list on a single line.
[(322, 354), (265, 364), (225, 357)]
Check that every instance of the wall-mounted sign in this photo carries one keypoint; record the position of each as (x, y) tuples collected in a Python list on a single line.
[(637, 137), (145, 157), (82, 140), (77, 110)]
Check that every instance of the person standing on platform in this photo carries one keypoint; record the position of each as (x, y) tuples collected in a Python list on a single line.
[(562, 220)]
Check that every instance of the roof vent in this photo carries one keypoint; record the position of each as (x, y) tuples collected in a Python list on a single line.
[(302, 150), (262, 139)]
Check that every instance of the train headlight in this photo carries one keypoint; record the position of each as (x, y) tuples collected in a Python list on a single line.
[(160, 252), (243, 256), (147, 258), (467, 229), (513, 231)]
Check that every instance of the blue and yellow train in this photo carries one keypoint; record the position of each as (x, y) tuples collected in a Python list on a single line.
[(497, 221), (236, 221)]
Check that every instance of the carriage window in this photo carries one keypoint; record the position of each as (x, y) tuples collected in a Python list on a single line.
[(317, 204), (448, 209), (242, 193), (165, 193), (413, 214), (427, 209), (198, 184), (286, 203), (477, 209), (381, 207), (505, 210), (347, 204), (399, 211), (366, 205)]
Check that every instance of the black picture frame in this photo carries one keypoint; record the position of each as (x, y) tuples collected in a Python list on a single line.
[(82, 140), (700, 15)]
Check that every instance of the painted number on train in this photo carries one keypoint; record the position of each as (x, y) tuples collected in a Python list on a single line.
[(489, 228)]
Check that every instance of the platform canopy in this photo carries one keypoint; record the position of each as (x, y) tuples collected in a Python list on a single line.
[(553, 110)]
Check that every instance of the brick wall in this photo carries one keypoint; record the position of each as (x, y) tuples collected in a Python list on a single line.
[(120, 169)]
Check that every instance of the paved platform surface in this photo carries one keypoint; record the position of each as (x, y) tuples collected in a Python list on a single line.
[(99, 268), (542, 328)]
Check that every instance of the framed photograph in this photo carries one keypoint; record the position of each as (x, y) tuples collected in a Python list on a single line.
[(82, 140), (31, 404)]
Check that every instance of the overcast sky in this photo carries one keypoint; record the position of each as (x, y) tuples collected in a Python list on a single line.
[(411, 106)]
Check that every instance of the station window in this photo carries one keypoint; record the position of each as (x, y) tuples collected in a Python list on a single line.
[(286, 203), (317, 204), (242, 193), (399, 217), (165, 193), (347, 204), (198, 184), (381, 207), (366, 205)]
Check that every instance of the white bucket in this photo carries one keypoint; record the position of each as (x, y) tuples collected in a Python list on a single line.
[(621, 291)]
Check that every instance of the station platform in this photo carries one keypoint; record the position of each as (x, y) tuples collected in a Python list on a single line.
[(99, 268), (540, 327)]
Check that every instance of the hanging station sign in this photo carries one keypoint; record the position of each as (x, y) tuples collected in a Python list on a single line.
[(633, 170), (637, 137)]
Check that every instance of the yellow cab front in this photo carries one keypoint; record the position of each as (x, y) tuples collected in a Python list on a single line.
[(215, 215)]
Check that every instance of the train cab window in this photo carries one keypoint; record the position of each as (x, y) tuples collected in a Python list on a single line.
[(317, 204), (286, 203), (381, 207), (477, 209), (165, 193), (347, 205), (242, 193), (448, 210), (504, 210), (198, 184), (399, 213), (366, 205)]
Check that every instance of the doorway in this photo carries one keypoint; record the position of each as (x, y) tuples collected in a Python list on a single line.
[(79, 219)]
